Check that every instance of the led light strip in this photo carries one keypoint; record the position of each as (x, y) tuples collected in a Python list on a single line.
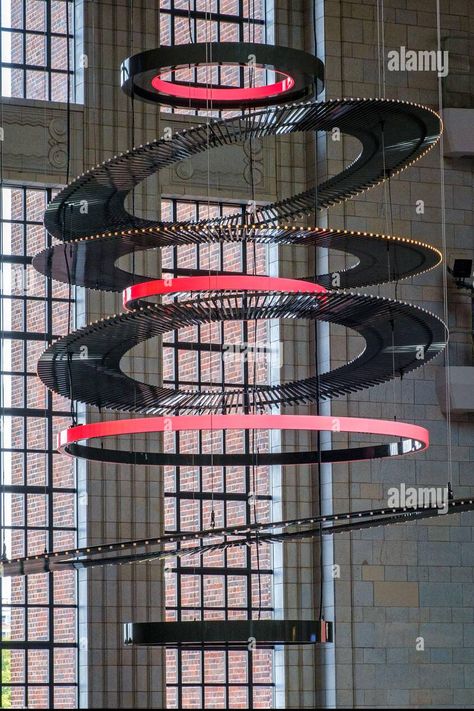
[(413, 131), (186, 285), (235, 536), (142, 75), (86, 364), (412, 438), (90, 261), (222, 96)]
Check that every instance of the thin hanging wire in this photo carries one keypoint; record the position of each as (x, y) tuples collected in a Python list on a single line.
[(444, 265), (380, 22), (69, 214), (193, 74), (387, 205), (3, 551), (379, 50), (132, 131), (388, 216), (132, 119), (93, 63), (209, 109), (254, 437), (316, 350), (190, 31), (68, 100)]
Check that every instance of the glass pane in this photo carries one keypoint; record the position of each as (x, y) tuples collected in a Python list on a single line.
[(36, 15), (58, 16), (35, 202), (59, 52), (16, 467), (64, 620), (38, 624), (18, 589), (36, 429), (17, 548), (38, 589), (33, 351), (65, 586), (36, 393), (65, 697), (64, 510), (12, 47), (12, 13), (35, 239), (14, 617), (36, 84), (61, 314), (25, 600), (35, 50), (59, 87), (64, 665), (13, 82), (17, 666), (37, 542), (63, 471), (13, 385), (38, 697), (18, 697), (37, 467)]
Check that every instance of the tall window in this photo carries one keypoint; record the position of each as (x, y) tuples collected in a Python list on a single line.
[(233, 584), (182, 21), (34, 40), (187, 21), (37, 487)]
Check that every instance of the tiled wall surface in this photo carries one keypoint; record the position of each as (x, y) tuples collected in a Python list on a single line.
[(408, 582)]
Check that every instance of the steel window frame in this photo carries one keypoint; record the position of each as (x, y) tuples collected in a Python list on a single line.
[(49, 489), (249, 572), (48, 33)]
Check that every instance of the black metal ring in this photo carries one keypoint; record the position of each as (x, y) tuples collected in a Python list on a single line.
[(218, 634), (393, 134), (91, 262), (352, 454), (85, 364), (343, 522), (138, 71)]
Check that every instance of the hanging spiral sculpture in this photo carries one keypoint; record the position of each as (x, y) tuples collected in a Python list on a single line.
[(84, 366)]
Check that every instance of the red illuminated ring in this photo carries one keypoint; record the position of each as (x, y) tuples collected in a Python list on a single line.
[(193, 93), (217, 283), (142, 75), (412, 438)]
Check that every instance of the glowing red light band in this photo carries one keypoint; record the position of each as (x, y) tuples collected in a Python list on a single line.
[(186, 91), (179, 423), (218, 283)]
